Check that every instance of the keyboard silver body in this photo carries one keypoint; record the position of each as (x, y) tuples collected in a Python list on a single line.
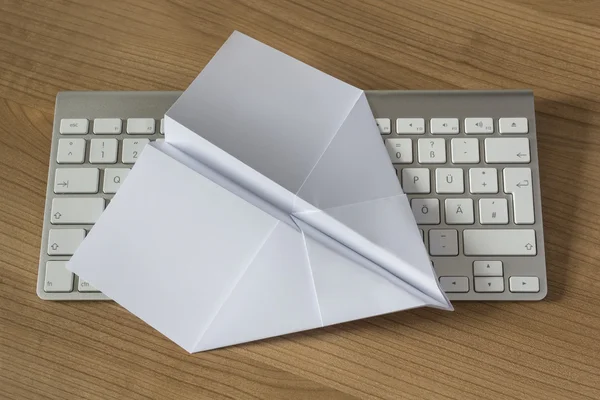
[(481, 277)]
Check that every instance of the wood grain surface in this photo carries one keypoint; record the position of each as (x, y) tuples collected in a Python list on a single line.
[(542, 350)]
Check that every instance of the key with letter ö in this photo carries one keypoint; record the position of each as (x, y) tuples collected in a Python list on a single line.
[(426, 211), (132, 148), (517, 181), (76, 210)]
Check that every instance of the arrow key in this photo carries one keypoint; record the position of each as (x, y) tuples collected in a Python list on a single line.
[(454, 284), (524, 284), (489, 284), (487, 268), (64, 242)]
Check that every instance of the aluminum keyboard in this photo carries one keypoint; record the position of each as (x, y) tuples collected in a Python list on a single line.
[(466, 159)]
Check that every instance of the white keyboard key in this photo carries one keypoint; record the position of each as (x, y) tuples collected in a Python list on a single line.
[(513, 125), (58, 277), (84, 286), (465, 151), (76, 210), (76, 180), (162, 126), (416, 180), (479, 125), (140, 126), (103, 151), (454, 284), (384, 124), (104, 126), (489, 284), (426, 211), (493, 211), (499, 242), (507, 150), (71, 151), (459, 211), (444, 125), (410, 125), (400, 150), (524, 284), (64, 242), (487, 268), (517, 181), (483, 180), (432, 151), (132, 148), (449, 180), (443, 242), (74, 126), (113, 178)]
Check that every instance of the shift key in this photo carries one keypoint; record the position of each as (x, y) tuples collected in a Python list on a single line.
[(499, 242), (76, 210)]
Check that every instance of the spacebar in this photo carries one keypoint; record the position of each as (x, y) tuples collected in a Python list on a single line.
[(499, 242)]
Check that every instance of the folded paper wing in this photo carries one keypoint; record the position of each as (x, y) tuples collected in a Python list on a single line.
[(272, 208)]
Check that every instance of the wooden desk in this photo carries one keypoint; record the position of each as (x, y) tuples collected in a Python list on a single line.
[(543, 350)]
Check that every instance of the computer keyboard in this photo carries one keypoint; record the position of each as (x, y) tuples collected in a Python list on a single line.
[(466, 159)]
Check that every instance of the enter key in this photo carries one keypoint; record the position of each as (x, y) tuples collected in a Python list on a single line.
[(517, 182)]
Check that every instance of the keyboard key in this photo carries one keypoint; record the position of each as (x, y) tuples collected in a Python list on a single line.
[(103, 151), (76, 180), (410, 125), (400, 150), (449, 180), (513, 125), (432, 151), (76, 210), (78, 126), (444, 125), (113, 178), (524, 284), (106, 126), (465, 151), (487, 268), (479, 125), (517, 181), (84, 286), (64, 242), (426, 211), (384, 125), (132, 148), (493, 211), (454, 284), (140, 126), (162, 126), (499, 242), (71, 151), (416, 180), (459, 211), (58, 278), (507, 150), (443, 242), (489, 284), (483, 180)]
